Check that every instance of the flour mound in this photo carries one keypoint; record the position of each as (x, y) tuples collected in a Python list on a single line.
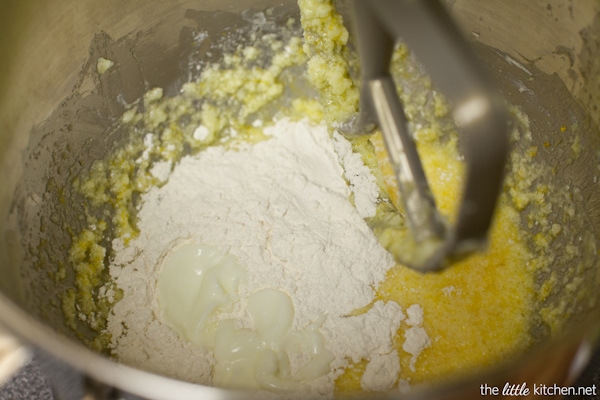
[(281, 207)]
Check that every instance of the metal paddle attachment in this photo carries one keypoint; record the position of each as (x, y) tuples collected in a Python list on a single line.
[(429, 32)]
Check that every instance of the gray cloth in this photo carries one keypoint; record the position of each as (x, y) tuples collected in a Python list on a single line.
[(29, 383)]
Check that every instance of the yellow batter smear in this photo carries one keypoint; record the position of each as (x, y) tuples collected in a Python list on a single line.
[(477, 313)]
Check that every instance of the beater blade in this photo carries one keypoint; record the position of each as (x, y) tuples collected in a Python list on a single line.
[(480, 115)]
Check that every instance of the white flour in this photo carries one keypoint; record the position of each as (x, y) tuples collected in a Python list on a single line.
[(361, 181), (281, 207)]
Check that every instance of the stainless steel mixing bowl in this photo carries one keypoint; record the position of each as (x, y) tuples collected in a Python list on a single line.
[(55, 112)]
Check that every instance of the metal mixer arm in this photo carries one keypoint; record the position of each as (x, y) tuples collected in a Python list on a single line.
[(429, 32)]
